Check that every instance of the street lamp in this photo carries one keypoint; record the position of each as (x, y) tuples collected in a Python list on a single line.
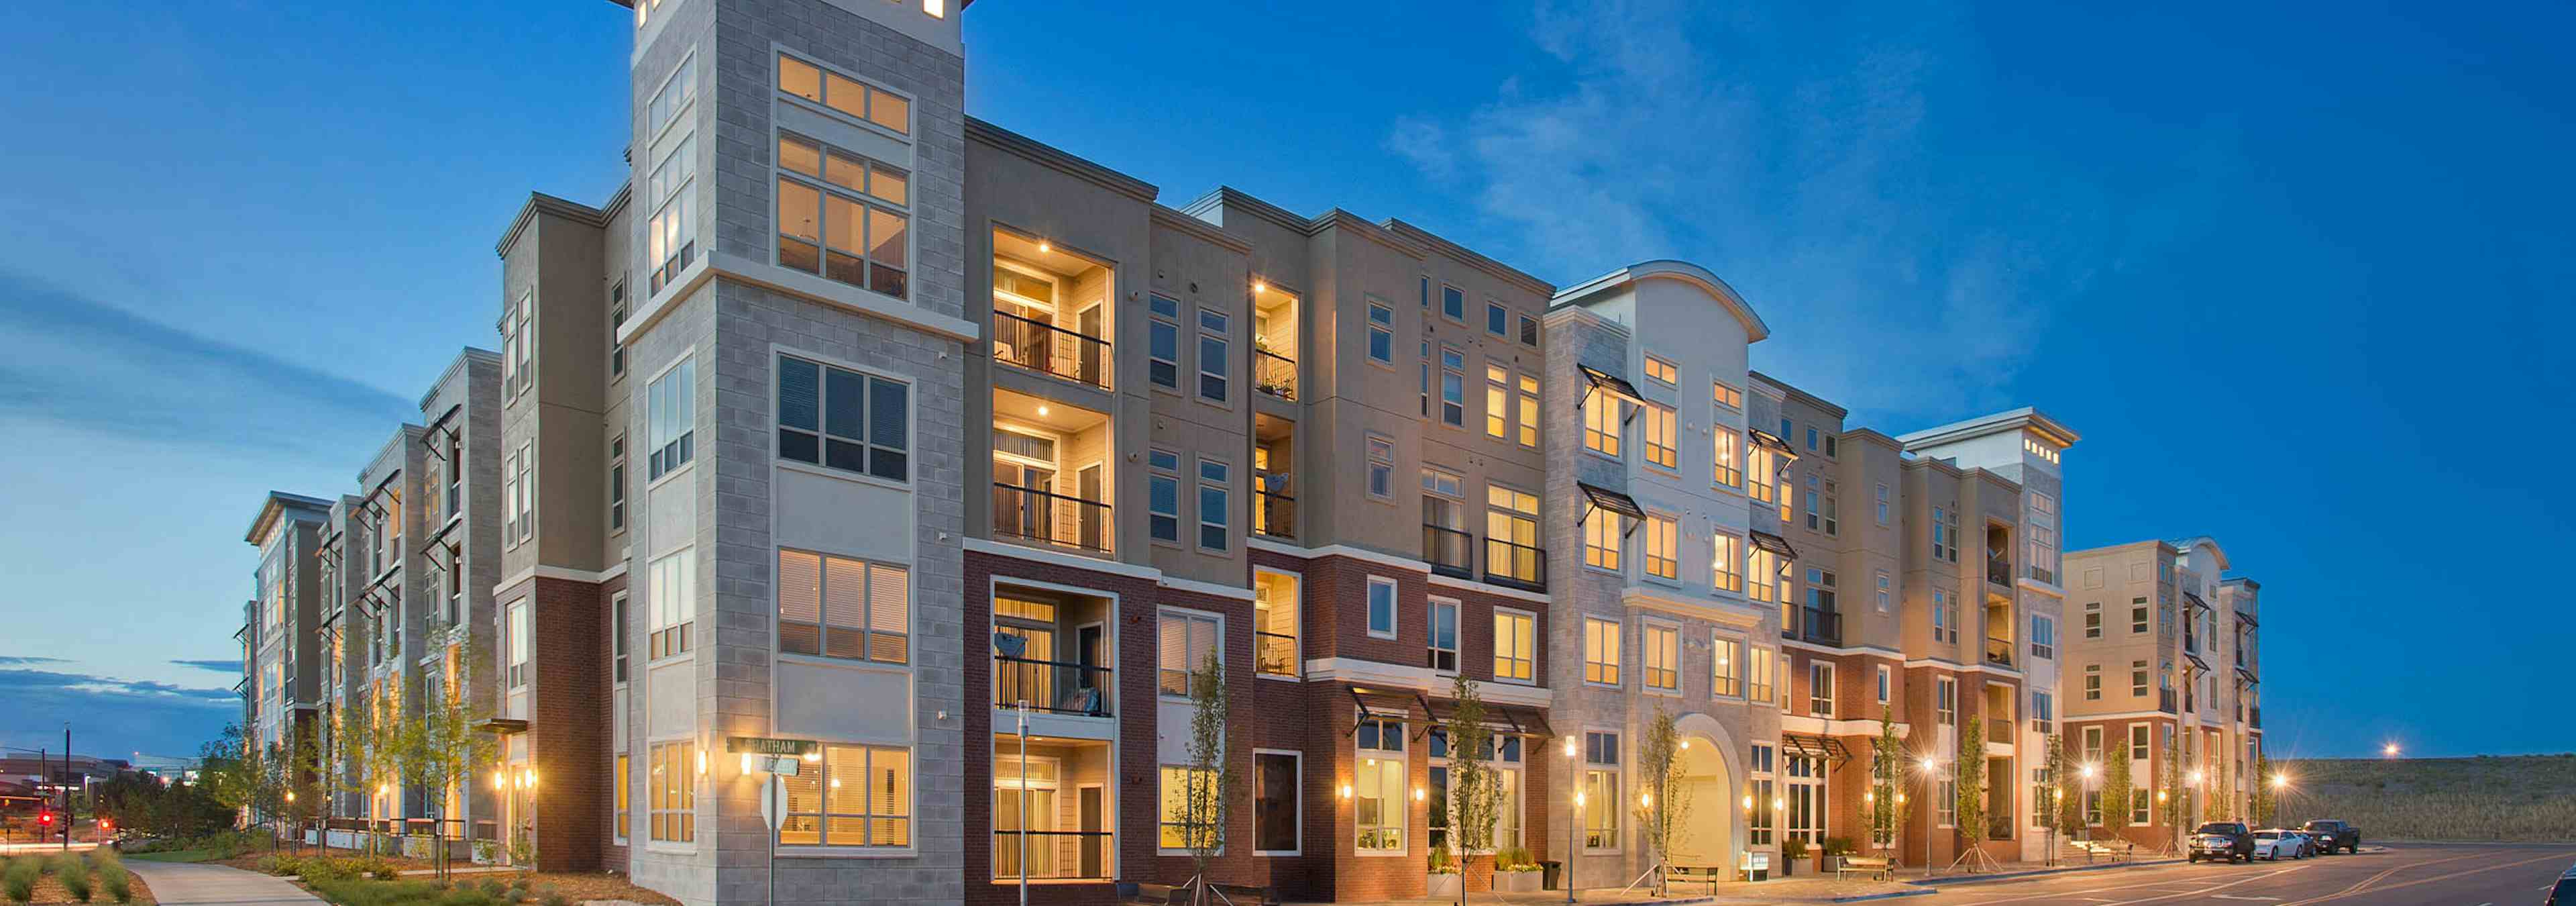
[(1929, 765), (1572, 817), (2090, 770)]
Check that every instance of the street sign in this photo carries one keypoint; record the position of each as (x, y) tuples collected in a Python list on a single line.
[(762, 745), (773, 802)]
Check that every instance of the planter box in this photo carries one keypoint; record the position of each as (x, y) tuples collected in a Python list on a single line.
[(1516, 881), (1443, 885)]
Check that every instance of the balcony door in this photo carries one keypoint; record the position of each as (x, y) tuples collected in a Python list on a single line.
[(1040, 789), (1806, 795), (1025, 462)]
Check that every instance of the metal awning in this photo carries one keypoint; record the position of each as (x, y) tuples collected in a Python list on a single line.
[(502, 725), (1773, 543), (2196, 662), (1816, 747), (2247, 619), (1376, 704), (1596, 497), (2195, 601), (1768, 439), (2246, 676), (1609, 383), (1513, 719)]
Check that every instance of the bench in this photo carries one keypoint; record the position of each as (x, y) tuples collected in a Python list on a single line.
[(1876, 868), (1698, 874)]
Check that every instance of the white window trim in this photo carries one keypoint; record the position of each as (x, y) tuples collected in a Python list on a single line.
[(1533, 649), (1457, 625), (1618, 649), (1394, 609), (1296, 798), (1645, 647)]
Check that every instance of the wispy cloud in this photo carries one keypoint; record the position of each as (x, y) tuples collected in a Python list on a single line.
[(1783, 148), (83, 363), (110, 715), (17, 661), (219, 666)]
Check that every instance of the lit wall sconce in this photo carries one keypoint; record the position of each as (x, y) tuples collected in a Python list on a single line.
[(1748, 802), (1417, 794), (1346, 791)]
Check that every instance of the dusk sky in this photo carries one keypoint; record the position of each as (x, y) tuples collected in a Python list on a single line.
[(2299, 276)]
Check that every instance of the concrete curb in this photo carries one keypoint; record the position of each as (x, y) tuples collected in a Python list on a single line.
[(2040, 872), (1925, 892)]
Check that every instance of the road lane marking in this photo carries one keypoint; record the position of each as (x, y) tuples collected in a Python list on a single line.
[(2374, 879), (2468, 871), (2230, 896), (2148, 884)]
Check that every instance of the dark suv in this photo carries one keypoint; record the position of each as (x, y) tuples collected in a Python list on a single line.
[(2332, 835), (2222, 840)]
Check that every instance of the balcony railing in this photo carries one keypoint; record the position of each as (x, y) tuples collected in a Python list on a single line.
[(1821, 626), (2165, 700), (1053, 855), (1999, 730), (1056, 687), (2044, 574), (1516, 565), (1048, 349), (1276, 516), (1051, 518), (1274, 653), (1450, 552), (1274, 374), (1999, 572), (2254, 717), (1999, 652)]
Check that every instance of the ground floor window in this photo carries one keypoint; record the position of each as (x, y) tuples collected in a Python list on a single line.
[(674, 792), (1377, 787), (852, 796), (1806, 799), (1758, 825), (1601, 808), (1180, 785), (1275, 818), (619, 819)]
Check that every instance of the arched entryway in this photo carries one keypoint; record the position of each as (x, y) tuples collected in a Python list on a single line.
[(1710, 766)]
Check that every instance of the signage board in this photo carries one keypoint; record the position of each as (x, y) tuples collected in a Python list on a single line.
[(762, 745)]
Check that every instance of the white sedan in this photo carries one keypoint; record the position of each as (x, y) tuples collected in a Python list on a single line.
[(2276, 844)]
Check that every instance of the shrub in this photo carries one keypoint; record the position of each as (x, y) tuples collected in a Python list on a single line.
[(18, 878), (1515, 859), (73, 873), (281, 865), (120, 886), (1793, 848), (1440, 864), (1839, 846), (557, 899)]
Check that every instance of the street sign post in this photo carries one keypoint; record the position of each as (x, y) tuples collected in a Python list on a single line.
[(779, 759)]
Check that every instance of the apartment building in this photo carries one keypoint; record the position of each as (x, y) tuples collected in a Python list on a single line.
[(282, 658), (2163, 663)]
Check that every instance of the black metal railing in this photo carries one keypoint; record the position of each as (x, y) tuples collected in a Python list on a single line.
[(1054, 855), (1999, 652), (1275, 514), (1450, 552), (2044, 574), (1999, 729), (1999, 572), (1274, 653), (2165, 700), (1274, 374), (1043, 347), (1055, 687), (1821, 625), (1516, 565), (2255, 717), (1035, 515)]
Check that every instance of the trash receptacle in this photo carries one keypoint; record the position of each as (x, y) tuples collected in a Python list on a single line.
[(1549, 873)]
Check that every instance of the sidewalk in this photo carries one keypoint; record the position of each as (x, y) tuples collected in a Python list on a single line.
[(190, 884)]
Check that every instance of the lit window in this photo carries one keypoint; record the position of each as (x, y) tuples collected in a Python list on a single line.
[(1601, 425), (1662, 551), (1498, 401), (1183, 786), (1663, 657), (1601, 540), (1601, 651), (1726, 667), (858, 101), (1515, 645), (675, 603), (1663, 369), (1660, 437), (1820, 688), (673, 792), (1726, 397), (1185, 642), (852, 796), (1378, 793), (1757, 685), (839, 607), (1729, 470), (1726, 571), (1529, 410)]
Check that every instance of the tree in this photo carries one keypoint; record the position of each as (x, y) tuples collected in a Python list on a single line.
[(1475, 791), (440, 748), (1886, 786), (225, 767), (2065, 789), (2170, 810), (2224, 802), (2117, 789), (2264, 801), (1207, 802), (1969, 768), (1663, 806)]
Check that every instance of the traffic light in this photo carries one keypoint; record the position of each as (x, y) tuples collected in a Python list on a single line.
[(45, 818)]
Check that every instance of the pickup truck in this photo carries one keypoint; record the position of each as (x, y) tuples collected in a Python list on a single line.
[(2332, 835), (2222, 840)]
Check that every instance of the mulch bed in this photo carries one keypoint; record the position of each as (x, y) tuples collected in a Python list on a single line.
[(250, 861), (51, 891)]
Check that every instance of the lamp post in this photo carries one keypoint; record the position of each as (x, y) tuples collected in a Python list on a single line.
[(2089, 770), (1572, 818), (1928, 789)]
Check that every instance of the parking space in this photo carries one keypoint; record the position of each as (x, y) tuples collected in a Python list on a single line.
[(2469, 875)]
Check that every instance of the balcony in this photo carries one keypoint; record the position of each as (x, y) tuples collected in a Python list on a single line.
[(1823, 626), (1276, 605), (1047, 349), (1046, 517), (1515, 565), (1055, 687), (1450, 552), (1999, 729), (2043, 574), (2165, 700), (1274, 515), (1999, 572), (1999, 652), (1051, 818), (2254, 717), (1274, 374), (1274, 653)]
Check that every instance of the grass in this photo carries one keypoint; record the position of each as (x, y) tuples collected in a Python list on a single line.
[(177, 855), (2511, 798), (92, 877)]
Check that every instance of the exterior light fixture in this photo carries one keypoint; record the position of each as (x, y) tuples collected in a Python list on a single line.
[(1748, 802), (2389, 750), (1645, 800), (1044, 248), (2280, 780), (1417, 794), (1260, 286), (1346, 791)]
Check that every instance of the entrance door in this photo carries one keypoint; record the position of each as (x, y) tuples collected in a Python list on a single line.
[(1806, 794), (1095, 843), (1707, 840)]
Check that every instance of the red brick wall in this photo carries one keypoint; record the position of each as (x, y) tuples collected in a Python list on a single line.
[(568, 740)]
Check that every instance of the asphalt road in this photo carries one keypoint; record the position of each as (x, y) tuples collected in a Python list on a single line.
[(2465, 875)]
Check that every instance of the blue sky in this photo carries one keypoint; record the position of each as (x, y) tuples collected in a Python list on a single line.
[(2299, 274)]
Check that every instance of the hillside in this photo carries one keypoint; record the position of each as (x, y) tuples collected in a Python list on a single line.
[(2515, 797)]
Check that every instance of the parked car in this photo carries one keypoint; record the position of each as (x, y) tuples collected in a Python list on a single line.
[(2332, 834), (2226, 840), (2564, 893), (2276, 845)]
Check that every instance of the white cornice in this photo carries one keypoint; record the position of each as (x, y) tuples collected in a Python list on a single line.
[(1648, 597), (1111, 567), (1359, 672), (1404, 563)]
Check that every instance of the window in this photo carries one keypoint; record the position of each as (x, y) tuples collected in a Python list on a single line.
[(1276, 822), (672, 401), (852, 796), (2043, 637), (517, 339), (1377, 787), (1886, 683), (1725, 396), (1212, 351), (1882, 591), (1511, 534), (2093, 619), (674, 588), (1443, 628), (2139, 802), (616, 319), (1882, 505), (516, 632), (1453, 387), (617, 636), (1453, 303), (1726, 572), (1601, 540), (2043, 711), (1832, 508), (1757, 684), (1426, 378), (1497, 321), (843, 420), (1498, 401), (2138, 679), (1529, 331), (1820, 688), (865, 103), (1830, 452), (620, 816), (1185, 642), (672, 792), (1728, 471), (1947, 806), (1942, 631), (1761, 472), (1163, 355), (671, 235), (1662, 369), (843, 608), (1811, 438), (1944, 545), (1529, 410), (2138, 618), (1660, 443), (525, 511), (1381, 466), (2138, 742), (1601, 425), (673, 97), (1726, 667), (1180, 785), (1381, 607), (1515, 645), (1760, 566), (1662, 537), (1424, 289), (1163, 495), (1663, 657), (1381, 334), (2092, 682), (1602, 804), (1213, 491), (1945, 701), (617, 483), (509, 508), (1601, 651), (1820, 590)]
